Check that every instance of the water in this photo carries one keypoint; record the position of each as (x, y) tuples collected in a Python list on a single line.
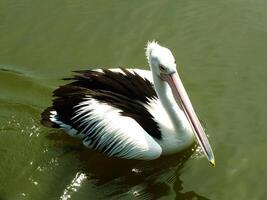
[(220, 48)]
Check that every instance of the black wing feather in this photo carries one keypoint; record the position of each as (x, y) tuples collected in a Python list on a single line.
[(126, 91)]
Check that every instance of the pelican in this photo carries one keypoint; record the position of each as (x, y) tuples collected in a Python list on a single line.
[(129, 113)]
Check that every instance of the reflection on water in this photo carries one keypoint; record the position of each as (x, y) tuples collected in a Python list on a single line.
[(74, 186), (123, 178)]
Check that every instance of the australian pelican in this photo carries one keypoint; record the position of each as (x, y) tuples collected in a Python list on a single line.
[(129, 113)]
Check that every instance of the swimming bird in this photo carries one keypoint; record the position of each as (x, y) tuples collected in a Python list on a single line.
[(129, 113)]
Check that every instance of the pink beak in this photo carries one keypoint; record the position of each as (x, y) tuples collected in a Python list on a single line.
[(183, 101)]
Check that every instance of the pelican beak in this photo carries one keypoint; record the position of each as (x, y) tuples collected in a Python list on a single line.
[(183, 101)]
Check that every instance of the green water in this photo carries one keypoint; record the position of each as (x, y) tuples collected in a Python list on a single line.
[(220, 48)]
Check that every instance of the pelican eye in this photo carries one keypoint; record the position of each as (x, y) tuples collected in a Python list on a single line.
[(162, 67)]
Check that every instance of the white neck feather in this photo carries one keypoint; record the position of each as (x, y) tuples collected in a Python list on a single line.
[(167, 100), (182, 135)]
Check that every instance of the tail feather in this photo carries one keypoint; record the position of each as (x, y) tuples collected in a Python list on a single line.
[(46, 118)]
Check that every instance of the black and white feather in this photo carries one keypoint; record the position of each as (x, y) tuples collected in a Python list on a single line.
[(109, 111)]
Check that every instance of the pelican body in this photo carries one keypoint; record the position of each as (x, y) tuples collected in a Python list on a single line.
[(129, 113)]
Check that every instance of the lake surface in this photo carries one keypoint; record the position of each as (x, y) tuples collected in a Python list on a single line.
[(221, 52)]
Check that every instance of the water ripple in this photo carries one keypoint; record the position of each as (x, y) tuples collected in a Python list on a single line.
[(73, 186)]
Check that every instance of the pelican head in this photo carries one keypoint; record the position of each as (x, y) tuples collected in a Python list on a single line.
[(163, 67), (160, 59)]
